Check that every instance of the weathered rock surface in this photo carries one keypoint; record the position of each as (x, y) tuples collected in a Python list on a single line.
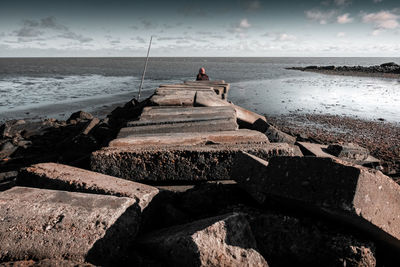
[(179, 163), (242, 136), (362, 197), (47, 224), (184, 127), (289, 241), (348, 151), (45, 263), (63, 177), (171, 113), (80, 115), (277, 136), (173, 100), (226, 240)]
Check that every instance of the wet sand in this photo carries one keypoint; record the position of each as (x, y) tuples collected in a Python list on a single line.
[(381, 138)]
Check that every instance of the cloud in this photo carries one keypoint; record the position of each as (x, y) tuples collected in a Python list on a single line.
[(32, 29), (377, 1), (244, 24), (322, 17), (250, 5), (345, 18), (75, 36), (240, 28), (284, 37), (341, 34), (383, 20), (139, 40), (147, 24), (342, 2), (28, 32)]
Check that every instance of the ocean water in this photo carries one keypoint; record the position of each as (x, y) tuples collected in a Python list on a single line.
[(259, 84)]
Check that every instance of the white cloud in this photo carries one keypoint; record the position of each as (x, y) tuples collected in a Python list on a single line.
[(345, 18), (284, 37), (382, 20), (323, 17), (244, 23), (341, 34)]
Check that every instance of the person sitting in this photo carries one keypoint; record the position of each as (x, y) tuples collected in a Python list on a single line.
[(202, 76)]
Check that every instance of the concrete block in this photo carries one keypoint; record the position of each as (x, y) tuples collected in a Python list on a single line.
[(49, 224), (184, 127), (179, 163), (242, 136), (63, 177), (349, 193), (219, 241)]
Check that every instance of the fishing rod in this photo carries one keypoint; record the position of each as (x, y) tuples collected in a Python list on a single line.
[(145, 67)]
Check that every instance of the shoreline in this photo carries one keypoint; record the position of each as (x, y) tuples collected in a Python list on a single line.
[(98, 107), (379, 137), (352, 73)]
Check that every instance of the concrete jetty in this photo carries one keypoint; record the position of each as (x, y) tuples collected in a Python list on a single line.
[(187, 178)]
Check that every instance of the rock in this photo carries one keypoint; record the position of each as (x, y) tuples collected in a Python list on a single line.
[(179, 163), (183, 127), (24, 144), (389, 64), (93, 122), (47, 224), (80, 116), (7, 149), (242, 136), (219, 241), (63, 177), (289, 241), (348, 151), (276, 136), (341, 191), (45, 263)]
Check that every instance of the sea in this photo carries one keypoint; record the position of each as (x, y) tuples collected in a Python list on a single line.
[(264, 85)]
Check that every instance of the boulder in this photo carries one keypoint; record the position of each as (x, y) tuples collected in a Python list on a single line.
[(182, 127), (303, 241), (45, 263), (7, 149), (219, 241), (63, 177), (46, 224), (355, 195), (179, 163), (348, 151), (241, 136), (276, 136), (80, 116)]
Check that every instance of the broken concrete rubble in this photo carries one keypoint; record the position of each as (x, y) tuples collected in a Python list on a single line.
[(63, 177), (219, 241), (179, 163), (47, 224), (363, 198)]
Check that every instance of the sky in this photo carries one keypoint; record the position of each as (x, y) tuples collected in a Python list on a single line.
[(227, 28)]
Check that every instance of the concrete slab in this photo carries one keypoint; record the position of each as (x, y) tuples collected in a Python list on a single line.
[(219, 241), (189, 115), (180, 163), (349, 193), (173, 100), (184, 127), (67, 178), (241, 136), (50, 224)]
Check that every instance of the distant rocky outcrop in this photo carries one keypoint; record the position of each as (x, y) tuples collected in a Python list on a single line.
[(384, 69)]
